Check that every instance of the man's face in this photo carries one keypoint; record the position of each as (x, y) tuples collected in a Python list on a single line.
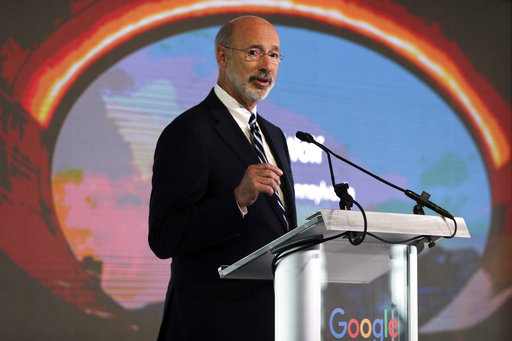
[(250, 81), (253, 87)]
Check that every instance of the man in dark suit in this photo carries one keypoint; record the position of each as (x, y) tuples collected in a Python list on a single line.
[(215, 200)]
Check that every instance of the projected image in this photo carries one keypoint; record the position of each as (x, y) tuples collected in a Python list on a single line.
[(362, 105)]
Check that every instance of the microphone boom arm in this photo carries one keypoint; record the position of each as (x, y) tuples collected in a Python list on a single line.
[(421, 200)]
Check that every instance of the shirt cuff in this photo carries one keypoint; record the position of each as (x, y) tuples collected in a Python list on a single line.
[(243, 211)]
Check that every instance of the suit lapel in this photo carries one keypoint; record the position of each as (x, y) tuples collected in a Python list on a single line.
[(229, 130)]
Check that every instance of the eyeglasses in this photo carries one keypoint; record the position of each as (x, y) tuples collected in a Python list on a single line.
[(255, 54)]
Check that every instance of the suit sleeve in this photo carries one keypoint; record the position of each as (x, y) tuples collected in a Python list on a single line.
[(185, 217)]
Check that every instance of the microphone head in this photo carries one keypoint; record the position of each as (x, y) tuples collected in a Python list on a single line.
[(304, 136)]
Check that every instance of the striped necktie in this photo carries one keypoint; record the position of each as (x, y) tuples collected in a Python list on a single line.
[(257, 142)]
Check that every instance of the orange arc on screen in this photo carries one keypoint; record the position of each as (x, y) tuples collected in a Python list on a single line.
[(55, 76)]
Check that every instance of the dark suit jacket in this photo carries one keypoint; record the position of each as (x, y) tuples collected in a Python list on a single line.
[(199, 160)]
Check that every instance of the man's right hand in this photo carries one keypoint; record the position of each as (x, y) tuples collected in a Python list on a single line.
[(260, 177)]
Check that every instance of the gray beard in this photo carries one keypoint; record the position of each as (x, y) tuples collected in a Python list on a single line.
[(245, 87)]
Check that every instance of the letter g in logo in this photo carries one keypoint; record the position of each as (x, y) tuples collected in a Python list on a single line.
[(342, 324)]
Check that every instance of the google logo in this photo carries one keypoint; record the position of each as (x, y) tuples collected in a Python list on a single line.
[(380, 328)]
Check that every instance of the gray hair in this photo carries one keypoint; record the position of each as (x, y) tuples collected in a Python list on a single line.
[(223, 37)]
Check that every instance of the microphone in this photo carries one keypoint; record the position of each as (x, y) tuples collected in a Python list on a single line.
[(305, 137), (422, 199)]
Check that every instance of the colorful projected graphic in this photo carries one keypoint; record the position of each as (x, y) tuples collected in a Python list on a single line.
[(86, 89)]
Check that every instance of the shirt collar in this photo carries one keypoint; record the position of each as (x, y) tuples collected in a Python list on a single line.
[(239, 112)]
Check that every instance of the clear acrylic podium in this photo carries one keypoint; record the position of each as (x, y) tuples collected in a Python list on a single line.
[(336, 290)]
